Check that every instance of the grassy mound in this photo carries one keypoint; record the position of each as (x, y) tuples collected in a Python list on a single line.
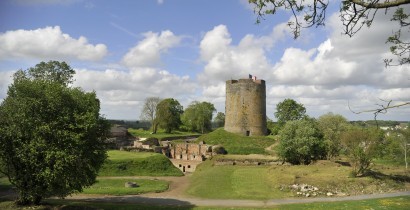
[(237, 144), (122, 163)]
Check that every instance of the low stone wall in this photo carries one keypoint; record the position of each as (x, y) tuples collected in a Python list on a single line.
[(248, 162), (179, 137)]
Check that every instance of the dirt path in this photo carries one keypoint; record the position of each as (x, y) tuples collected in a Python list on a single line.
[(176, 196), (183, 201)]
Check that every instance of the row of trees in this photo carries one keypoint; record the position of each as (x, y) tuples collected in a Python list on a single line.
[(169, 115), (304, 139)]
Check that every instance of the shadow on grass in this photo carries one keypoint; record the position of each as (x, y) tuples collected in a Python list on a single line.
[(121, 202), (343, 163), (382, 176)]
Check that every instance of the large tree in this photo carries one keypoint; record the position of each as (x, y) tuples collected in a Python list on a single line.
[(354, 15), (148, 111), (51, 135), (168, 114), (288, 110), (332, 126), (301, 142), (198, 116)]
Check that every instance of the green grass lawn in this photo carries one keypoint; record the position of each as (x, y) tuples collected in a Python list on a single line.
[(234, 182), (123, 163), (117, 186), (270, 182), (237, 144)]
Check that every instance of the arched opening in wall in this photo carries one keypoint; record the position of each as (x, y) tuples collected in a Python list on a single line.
[(248, 133), (183, 169), (189, 166)]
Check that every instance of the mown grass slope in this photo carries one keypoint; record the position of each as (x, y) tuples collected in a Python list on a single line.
[(237, 144), (233, 182), (123, 163)]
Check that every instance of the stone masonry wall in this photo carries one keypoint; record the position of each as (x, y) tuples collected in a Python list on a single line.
[(245, 107)]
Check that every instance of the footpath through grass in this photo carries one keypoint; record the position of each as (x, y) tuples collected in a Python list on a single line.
[(123, 163), (399, 203), (237, 144)]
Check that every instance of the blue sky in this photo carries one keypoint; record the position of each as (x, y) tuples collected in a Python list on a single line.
[(130, 50)]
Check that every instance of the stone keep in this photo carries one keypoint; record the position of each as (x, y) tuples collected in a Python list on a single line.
[(245, 107)]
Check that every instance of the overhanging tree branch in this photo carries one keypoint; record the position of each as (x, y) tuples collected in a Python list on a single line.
[(376, 5)]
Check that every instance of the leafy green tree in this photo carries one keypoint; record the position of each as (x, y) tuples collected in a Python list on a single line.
[(148, 111), (198, 116), (51, 135), (168, 114), (301, 142), (220, 119), (361, 145), (288, 110), (332, 126)]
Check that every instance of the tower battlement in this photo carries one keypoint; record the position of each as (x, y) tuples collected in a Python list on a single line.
[(245, 107)]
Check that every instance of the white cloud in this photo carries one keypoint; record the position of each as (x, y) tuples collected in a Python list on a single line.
[(148, 51), (6, 77), (225, 61), (326, 78), (122, 91), (48, 43)]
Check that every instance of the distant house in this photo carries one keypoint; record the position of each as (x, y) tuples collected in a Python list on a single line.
[(119, 137), (118, 131)]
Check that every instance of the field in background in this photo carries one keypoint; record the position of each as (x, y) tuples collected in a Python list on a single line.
[(159, 135)]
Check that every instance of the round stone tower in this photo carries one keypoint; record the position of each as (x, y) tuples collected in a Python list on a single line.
[(245, 107)]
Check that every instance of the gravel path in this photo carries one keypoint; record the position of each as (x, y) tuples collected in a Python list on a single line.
[(175, 197)]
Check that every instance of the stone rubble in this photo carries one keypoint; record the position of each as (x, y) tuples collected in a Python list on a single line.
[(305, 190)]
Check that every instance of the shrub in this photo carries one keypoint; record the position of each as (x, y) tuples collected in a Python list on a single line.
[(301, 142)]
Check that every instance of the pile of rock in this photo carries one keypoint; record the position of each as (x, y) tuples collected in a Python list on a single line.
[(305, 190), (131, 184)]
